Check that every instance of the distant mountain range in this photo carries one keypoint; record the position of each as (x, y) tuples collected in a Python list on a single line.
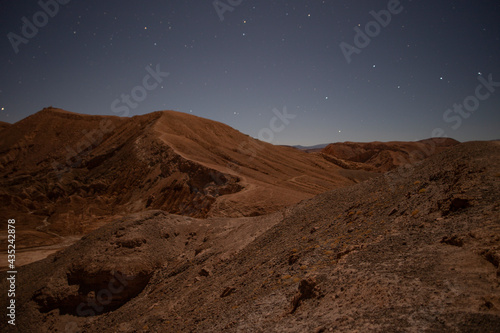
[(315, 147)]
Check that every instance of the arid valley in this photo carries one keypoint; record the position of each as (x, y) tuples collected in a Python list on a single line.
[(168, 222)]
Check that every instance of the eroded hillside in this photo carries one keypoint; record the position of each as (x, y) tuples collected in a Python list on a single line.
[(415, 250), (383, 156), (64, 174)]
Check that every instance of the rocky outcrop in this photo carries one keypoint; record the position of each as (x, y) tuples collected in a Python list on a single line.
[(384, 156)]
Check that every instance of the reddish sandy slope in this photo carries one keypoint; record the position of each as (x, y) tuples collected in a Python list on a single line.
[(384, 156), (65, 174), (412, 251)]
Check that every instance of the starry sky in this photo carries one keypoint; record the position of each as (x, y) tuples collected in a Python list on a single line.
[(310, 71)]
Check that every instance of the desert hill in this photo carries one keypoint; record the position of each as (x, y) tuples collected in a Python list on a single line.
[(384, 156), (64, 174), (3, 125), (415, 250)]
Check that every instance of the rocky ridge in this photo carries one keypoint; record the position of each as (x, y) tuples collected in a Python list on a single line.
[(64, 174), (383, 156), (414, 250)]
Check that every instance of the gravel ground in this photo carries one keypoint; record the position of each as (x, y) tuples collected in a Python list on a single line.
[(415, 250)]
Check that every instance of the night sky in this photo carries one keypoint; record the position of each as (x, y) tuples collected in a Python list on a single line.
[(240, 61)]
